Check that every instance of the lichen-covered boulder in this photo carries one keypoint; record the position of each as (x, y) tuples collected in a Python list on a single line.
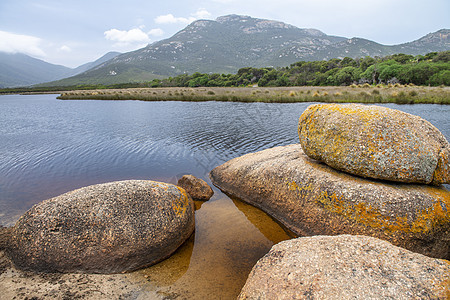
[(346, 267), (197, 188), (375, 142), (310, 198), (105, 228)]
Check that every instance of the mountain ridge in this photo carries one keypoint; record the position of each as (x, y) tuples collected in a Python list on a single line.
[(18, 69), (231, 42)]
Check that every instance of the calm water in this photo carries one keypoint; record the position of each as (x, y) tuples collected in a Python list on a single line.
[(49, 146)]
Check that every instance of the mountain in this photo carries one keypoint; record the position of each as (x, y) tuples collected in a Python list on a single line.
[(90, 65), (231, 42), (358, 47), (23, 70), (220, 46), (432, 42)]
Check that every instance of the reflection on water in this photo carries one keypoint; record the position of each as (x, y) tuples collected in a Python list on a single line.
[(48, 147)]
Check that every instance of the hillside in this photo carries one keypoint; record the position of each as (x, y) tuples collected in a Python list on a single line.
[(220, 46), (232, 42), (90, 65), (359, 47), (22, 70)]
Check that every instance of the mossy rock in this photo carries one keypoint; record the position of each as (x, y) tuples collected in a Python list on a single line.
[(310, 198), (375, 142)]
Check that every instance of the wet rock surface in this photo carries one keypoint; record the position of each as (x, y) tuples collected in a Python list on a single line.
[(346, 267), (105, 228), (197, 188), (375, 142), (310, 198)]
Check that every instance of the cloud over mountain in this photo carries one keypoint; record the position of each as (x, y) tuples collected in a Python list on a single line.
[(127, 37), (19, 43), (171, 19)]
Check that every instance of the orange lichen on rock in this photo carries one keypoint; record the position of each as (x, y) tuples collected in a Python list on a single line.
[(425, 220), (311, 198), (375, 142), (180, 205)]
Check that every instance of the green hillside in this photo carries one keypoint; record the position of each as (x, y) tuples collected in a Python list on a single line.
[(231, 42)]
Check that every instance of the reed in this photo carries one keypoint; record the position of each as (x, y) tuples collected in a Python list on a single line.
[(383, 94)]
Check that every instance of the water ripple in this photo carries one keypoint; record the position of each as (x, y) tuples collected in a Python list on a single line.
[(48, 146)]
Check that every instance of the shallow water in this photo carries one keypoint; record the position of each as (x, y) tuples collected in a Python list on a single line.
[(49, 146)]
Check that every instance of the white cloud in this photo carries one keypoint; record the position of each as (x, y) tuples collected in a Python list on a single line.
[(202, 14), (156, 32), (18, 43), (65, 48), (126, 38), (171, 19)]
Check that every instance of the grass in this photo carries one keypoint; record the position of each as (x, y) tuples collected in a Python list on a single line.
[(352, 94)]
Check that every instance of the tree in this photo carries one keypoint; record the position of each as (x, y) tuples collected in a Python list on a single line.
[(441, 78), (418, 74), (402, 58), (442, 57), (346, 76), (348, 62)]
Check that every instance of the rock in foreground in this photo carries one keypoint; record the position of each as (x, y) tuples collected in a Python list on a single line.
[(375, 142), (346, 267), (311, 198), (197, 188), (105, 228)]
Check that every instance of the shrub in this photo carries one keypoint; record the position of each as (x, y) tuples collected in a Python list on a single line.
[(413, 93)]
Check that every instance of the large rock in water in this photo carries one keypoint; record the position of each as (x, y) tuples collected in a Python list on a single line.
[(105, 228), (375, 142), (310, 198), (346, 267)]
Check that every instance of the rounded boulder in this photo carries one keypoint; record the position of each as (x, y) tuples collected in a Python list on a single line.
[(375, 142), (197, 188), (346, 267), (311, 198), (105, 228)]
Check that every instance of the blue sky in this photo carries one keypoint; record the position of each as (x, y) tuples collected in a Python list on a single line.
[(74, 32)]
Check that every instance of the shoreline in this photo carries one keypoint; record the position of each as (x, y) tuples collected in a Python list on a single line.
[(349, 94)]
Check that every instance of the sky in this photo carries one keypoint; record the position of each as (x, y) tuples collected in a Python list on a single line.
[(75, 32)]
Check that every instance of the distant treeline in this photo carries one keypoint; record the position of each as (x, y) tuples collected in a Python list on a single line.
[(431, 69)]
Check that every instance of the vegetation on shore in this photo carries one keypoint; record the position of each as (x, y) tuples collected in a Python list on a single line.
[(433, 69), (355, 93), (397, 78)]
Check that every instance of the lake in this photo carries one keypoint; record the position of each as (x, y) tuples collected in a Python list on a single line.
[(50, 146)]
